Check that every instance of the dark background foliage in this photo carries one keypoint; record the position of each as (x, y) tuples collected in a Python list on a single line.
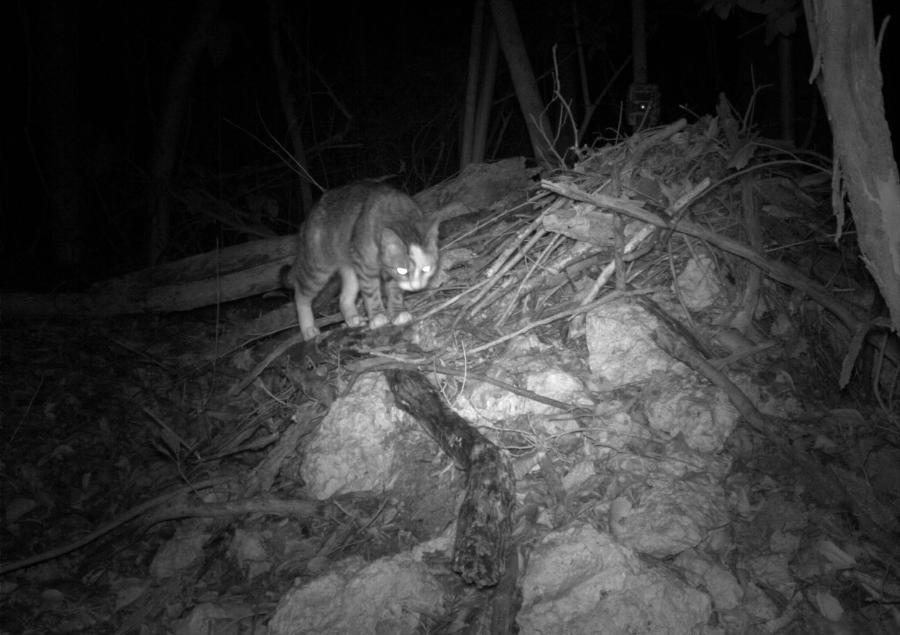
[(397, 69)]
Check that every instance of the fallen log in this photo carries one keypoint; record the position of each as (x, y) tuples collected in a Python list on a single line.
[(251, 268), (484, 524)]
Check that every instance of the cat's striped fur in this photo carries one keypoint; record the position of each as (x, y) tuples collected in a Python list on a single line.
[(368, 232)]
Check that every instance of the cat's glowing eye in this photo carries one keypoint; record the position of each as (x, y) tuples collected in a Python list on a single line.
[(402, 271), (426, 268)]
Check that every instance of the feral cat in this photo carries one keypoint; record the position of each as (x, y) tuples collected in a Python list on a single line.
[(367, 232)]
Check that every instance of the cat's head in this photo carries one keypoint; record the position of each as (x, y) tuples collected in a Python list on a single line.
[(412, 259)]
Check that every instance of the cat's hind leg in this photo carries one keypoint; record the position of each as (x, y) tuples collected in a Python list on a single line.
[(306, 282), (308, 327)]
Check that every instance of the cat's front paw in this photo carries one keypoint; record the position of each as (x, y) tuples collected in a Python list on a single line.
[(353, 321), (309, 333), (402, 318), (377, 321)]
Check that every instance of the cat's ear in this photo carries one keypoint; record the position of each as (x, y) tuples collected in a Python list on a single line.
[(431, 235), (391, 244)]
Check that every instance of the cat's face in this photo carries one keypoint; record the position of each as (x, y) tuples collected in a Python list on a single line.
[(417, 271), (413, 264)]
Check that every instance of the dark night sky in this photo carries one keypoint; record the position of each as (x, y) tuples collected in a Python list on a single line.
[(398, 67)]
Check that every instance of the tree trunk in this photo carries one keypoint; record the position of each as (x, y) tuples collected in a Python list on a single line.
[(485, 97), (639, 40), (162, 163), (786, 87), (467, 140), (57, 126), (207, 279), (846, 66), (530, 102), (582, 69), (288, 104)]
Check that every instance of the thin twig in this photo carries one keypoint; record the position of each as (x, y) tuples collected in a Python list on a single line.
[(131, 514), (448, 303), (28, 408), (554, 242), (506, 261), (478, 228), (511, 246), (293, 340), (556, 316), (683, 353), (777, 270), (465, 373), (645, 232)]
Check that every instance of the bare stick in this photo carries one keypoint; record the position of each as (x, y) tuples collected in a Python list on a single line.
[(448, 303), (528, 276), (506, 261), (608, 270), (131, 514), (553, 318), (682, 352), (513, 244), (538, 234), (777, 270), (293, 340)]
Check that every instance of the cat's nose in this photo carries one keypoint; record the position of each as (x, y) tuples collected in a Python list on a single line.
[(417, 281)]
